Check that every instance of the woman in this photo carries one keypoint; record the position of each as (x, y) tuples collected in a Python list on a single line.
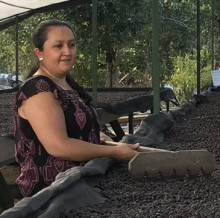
[(56, 127)]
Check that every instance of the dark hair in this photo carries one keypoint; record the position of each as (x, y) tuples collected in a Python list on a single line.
[(82, 93), (39, 38), (40, 35)]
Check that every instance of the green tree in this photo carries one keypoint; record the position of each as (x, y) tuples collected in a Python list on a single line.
[(124, 39)]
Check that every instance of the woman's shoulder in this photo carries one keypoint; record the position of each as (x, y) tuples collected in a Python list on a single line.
[(38, 81), (35, 85), (38, 84)]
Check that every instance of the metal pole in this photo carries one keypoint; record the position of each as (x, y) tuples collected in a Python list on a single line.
[(212, 33), (94, 51), (156, 68), (198, 47), (17, 47)]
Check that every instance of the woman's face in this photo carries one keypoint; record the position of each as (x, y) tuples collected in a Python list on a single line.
[(59, 51)]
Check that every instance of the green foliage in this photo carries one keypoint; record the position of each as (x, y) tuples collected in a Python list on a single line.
[(7, 52), (184, 77), (127, 25), (82, 65), (183, 80)]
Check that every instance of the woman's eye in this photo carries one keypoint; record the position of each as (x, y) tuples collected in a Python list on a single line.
[(58, 46)]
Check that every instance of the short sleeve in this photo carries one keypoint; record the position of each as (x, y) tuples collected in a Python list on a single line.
[(35, 85)]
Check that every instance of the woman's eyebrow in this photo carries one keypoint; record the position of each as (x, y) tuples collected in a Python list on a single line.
[(71, 40)]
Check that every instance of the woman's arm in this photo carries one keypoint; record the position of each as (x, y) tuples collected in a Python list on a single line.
[(46, 117)]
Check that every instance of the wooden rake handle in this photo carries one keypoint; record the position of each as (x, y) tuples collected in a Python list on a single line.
[(141, 148)]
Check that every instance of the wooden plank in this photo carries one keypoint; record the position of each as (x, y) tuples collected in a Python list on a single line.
[(172, 164), (136, 118)]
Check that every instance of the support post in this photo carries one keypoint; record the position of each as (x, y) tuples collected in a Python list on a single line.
[(94, 51), (198, 48), (156, 64)]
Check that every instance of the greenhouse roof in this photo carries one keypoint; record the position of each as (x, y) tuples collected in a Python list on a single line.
[(10, 10)]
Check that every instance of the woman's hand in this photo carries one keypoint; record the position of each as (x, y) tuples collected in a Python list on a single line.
[(124, 152)]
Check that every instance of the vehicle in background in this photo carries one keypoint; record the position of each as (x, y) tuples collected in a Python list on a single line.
[(8, 81)]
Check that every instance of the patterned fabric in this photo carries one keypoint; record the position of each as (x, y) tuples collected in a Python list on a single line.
[(38, 168)]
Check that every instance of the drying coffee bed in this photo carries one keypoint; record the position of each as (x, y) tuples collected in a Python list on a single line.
[(195, 198), (157, 197), (120, 101), (6, 115)]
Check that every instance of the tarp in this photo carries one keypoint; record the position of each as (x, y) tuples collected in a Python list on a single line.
[(10, 10)]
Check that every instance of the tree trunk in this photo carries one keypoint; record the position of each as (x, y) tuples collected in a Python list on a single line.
[(112, 78)]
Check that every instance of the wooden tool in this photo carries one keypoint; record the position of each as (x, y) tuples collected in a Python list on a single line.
[(153, 162)]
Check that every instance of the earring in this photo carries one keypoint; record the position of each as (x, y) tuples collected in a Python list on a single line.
[(40, 59)]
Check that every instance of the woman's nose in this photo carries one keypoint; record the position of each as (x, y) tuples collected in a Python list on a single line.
[(67, 49)]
